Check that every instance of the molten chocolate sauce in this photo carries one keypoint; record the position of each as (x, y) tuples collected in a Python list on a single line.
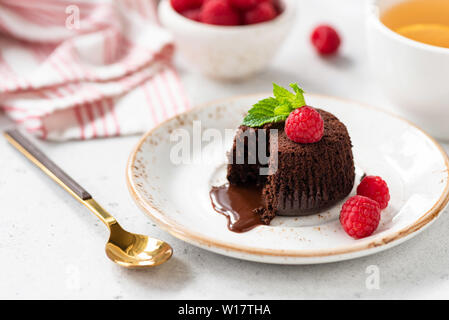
[(239, 205)]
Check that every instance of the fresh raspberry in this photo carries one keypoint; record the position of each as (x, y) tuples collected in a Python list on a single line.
[(325, 39), (246, 4), (192, 14), (264, 11), (304, 125), (184, 5), (375, 188), (219, 12), (360, 216)]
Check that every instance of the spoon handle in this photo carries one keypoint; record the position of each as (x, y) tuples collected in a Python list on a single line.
[(29, 150)]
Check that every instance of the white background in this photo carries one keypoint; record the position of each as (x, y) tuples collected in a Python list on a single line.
[(52, 247)]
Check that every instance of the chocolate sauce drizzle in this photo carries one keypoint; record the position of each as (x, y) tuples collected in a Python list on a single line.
[(239, 204)]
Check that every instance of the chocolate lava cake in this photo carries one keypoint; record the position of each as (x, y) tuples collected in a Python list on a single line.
[(309, 177)]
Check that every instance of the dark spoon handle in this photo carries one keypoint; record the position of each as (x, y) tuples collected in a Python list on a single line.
[(27, 148)]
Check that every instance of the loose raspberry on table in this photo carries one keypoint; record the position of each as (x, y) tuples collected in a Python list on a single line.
[(360, 216), (325, 39), (375, 188), (219, 12), (304, 125), (264, 11), (184, 5)]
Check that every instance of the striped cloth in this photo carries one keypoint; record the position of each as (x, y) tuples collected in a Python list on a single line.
[(105, 74)]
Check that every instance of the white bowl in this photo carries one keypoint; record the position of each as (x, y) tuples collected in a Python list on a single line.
[(413, 75), (228, 52)]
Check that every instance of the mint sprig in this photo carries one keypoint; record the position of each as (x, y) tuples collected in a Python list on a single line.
[(277, 109)]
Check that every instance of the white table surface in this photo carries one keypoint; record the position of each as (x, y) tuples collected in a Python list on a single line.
[(52, 247)]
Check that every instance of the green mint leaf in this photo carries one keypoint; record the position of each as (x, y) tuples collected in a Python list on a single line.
[(296, 88), (264, 106), (284, 96), (258, 120), (281, 94), (275, 109), (266, 111), (283, 109), (299, 100)]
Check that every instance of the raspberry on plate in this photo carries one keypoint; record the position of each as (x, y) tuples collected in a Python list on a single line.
[(264, 11), (184, 5), (219, 12), (325, 39), (304, 125), (360, 216), (375, 188)]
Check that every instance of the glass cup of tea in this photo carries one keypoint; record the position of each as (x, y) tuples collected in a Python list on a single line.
[(408, 47)]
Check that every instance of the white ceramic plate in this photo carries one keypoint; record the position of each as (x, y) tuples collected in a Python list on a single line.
[(176, 196)]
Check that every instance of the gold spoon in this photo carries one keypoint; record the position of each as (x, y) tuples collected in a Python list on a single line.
[(127, 249)]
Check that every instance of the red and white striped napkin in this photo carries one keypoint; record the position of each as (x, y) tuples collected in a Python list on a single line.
[(110, 76)]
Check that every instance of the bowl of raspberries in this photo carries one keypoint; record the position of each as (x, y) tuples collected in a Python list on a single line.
[(228, 39)]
